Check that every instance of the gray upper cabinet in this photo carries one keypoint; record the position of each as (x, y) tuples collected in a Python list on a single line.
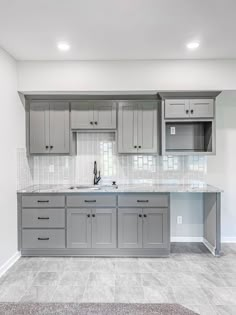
[(155, 228), (130, 228), (137, 127), (104, 228), (78, 228), (49, 127), (93, 114), (189, 108), (202, 108), (176, 108)]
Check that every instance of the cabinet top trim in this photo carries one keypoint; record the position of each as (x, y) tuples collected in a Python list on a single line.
[(189, 94)]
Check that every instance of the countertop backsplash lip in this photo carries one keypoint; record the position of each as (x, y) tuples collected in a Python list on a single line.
[(123, 168)]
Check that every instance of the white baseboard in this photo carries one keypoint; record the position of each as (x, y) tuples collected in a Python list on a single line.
[(186, 239), (9, 263), (228, 240)]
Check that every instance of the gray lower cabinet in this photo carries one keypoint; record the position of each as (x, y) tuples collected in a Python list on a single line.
[(143, 228), (155, 228), (43, 239), (99, 114), (137, 127), (49, 127), (130, 228), (91, 228)]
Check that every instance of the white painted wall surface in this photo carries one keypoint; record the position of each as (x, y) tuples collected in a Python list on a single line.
[(79, 76), (221, 169), (11, 137)]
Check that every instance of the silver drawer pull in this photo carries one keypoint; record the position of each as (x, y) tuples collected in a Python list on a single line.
[(89, 200), (43, 218), (43, 201), (43, 238), (142, 200)]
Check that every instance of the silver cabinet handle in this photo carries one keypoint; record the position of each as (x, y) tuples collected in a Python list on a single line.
[(43, 238), (142, 200), (43, 218), (89, 200), (40, 201)]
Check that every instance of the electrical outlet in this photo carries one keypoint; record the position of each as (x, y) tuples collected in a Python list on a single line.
[(172, 130), (179, 219), (51, 168)]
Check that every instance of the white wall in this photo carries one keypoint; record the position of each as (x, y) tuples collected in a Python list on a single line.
[(221, 170), (75, 76), (11, 137)]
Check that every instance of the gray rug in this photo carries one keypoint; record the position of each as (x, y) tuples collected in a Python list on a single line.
[(92, 309)]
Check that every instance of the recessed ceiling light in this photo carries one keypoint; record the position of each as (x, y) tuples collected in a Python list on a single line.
[(63, 46), (193, 45)]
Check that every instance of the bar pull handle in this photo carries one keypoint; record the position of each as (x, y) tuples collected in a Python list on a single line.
[(41, 201), (43, 218), (43, 238), (142, 200), (89, 200)]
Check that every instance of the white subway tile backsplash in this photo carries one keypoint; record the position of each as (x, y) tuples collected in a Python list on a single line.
[(124, 169)]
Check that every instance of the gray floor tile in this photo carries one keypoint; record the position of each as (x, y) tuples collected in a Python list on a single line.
[(39, 294), (159, 295), (128, 279), (202, 309), (71, 278), (22, 279), (152, 280), (221, 296), (126, 267), (12, 293), (129, 294), (79, 265), (225, 309), (68, 294), (99, 294), (46, 279), (103, 266), (55, 266), (190, 295), (101, 279)]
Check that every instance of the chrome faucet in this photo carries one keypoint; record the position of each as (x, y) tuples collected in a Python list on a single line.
[(96, 178)]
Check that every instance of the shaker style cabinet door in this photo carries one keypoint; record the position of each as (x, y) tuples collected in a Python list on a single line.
[(127, 127), (78, 228), (202, 108), (147, 127), (82, 115), (59, 128), (39, 128), (130, 228), (155, 228), (104, 228), (177, 108), (104, 115)]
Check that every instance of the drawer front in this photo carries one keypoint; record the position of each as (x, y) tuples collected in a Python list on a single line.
[(91, 200), (43, 201), (43, 239), (43, 218), (143, 200)]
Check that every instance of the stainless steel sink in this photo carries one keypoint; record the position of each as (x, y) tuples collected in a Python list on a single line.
[(81, 187)]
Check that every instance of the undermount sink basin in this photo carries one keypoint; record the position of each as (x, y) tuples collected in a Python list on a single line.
[(79, 187)]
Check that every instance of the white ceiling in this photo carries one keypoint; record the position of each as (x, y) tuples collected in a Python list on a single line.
[(118, 29)]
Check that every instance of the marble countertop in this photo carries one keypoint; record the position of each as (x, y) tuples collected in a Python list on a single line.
[(124, 188)]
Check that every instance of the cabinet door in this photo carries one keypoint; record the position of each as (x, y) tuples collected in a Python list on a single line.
[(59, 127), (147, 127), (78, 228), (104, 115), (104, 228), (130, 228), (127, 127), (155, 228), (82, 115), (176, 108), (39, 128), (203, 108)]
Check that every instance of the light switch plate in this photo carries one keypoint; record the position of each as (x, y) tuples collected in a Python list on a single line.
[(172, 130), (179, 219)]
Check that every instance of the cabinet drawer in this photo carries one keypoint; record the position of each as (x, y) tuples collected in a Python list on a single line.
[(143, 200), (43, 201), (91, 200), (43, 218), (35, 239)]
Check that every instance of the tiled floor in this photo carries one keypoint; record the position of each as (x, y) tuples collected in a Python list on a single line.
[(191, 277)]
